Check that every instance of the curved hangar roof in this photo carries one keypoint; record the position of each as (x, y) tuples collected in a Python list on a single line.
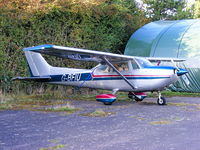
[(180, 39)]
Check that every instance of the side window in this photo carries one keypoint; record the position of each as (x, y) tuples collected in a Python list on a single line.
[(104, 68), (121, 66), (134, 65)]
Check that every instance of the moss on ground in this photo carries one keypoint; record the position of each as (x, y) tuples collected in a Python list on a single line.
[(161, 122), (59, 146), (68, 109), (98, 113)]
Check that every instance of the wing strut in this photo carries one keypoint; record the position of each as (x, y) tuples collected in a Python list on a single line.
[(113, 67)]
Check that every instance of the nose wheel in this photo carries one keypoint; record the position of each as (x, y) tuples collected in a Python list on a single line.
[(161, 100)]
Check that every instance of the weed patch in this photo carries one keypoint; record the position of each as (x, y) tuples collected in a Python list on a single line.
[(138, 118), (98, 113), (68, 109), (161, 122), (39, 105), (53, 147)]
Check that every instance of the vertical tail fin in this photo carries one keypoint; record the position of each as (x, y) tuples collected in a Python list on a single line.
[(37, 64)]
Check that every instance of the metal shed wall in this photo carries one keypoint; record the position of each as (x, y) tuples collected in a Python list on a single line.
[(180, 39)]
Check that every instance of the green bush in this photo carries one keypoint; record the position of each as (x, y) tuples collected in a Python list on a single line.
[(100, 25)]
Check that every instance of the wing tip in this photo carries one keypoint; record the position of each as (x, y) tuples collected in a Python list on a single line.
[(39, 47)]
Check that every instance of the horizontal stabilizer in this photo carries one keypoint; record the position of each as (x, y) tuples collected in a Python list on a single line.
[(40, 79)]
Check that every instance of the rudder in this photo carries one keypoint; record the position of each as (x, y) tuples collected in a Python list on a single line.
[(37, 64)]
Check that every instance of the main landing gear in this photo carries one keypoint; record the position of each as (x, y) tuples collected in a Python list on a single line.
[(161, 100), (138, 97)]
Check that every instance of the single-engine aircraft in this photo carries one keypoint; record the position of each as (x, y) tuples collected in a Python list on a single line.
[(115, 72)]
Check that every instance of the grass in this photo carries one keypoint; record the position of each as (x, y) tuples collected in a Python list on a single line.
[(98, 113), (36, 103), (22, 104), (59, 146), (5, 106), (137, 117), (84, 97), (167, 121), (168, 93), (69, 109), (22, 101), (181, 104), (161, 122)]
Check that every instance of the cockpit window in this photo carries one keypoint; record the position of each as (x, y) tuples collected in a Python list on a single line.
[(143, 62), (121, 67), (104, 68)]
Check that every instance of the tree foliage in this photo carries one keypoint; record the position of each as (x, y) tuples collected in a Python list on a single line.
[(104, 25), (101, 25), (167, 9), (196, 9)]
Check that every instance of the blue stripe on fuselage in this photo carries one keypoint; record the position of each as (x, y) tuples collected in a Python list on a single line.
[(160, 67)]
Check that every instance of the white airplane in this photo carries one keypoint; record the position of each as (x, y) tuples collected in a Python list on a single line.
[(115, 72)]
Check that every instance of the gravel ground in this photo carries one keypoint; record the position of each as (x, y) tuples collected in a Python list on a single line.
[(131, 126)]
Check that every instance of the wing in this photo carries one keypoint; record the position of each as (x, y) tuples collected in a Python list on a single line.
[(159, 59), (168, 59), (78, 54)]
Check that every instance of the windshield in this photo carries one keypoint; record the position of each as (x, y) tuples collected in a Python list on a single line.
[(143, 62)]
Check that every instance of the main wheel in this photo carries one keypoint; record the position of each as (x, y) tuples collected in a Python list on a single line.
[(138, 99), (107, 103), (161, 101), (130, 96)]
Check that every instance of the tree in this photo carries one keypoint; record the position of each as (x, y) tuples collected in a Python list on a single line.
[(167, 9), (93, 24), (196, 8)]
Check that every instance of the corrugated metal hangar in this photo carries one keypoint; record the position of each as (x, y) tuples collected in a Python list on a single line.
[(179, 39)]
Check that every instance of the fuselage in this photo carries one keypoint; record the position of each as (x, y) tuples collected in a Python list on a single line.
[(142, 75)]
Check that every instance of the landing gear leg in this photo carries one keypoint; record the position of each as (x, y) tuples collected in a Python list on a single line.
[(131, 95), (137, 96), (161, 100)]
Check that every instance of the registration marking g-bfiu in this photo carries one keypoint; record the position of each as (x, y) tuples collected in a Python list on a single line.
[(71, 77)]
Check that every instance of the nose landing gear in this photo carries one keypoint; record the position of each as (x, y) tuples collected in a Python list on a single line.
[(161, 100)]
